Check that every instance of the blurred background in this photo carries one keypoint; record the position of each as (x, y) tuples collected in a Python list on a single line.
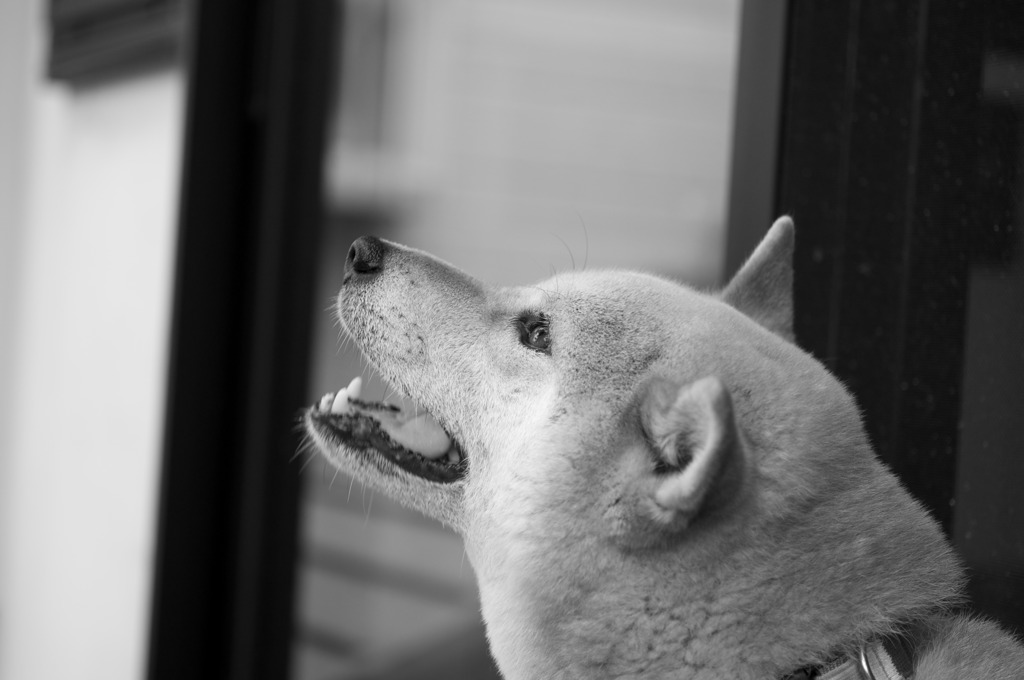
[(179, 184), (514, 139)]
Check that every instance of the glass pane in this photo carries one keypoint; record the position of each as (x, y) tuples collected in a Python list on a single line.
[(988, 506), (902, 151), (512, 138)]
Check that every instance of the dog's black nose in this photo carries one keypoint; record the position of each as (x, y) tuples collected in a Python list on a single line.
[(366, 256)]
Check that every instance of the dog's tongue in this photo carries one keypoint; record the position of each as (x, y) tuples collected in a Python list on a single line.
[(417, 432)]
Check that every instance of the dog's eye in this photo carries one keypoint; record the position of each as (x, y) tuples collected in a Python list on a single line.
[(534, 331)]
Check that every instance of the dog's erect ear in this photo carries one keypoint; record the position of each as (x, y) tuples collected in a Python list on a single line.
[(763, 287), (700, 461)]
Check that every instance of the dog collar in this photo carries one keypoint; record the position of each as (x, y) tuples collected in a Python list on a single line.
[(887, 658)]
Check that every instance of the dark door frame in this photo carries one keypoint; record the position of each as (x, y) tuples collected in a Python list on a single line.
[(249, 224), (806, 144), (884, 130)]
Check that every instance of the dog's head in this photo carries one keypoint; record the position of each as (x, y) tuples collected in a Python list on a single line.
[(631, 386), (605, 432)]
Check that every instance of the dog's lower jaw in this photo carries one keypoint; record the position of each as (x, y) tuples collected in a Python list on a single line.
[(443, 502)]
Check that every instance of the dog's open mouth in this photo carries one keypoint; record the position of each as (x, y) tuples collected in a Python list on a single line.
[(410, 437)]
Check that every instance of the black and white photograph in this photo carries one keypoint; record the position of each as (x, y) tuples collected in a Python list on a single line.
[(511, 340)]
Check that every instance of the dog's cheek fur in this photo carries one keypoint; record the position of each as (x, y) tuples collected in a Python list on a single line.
[(630, 517)]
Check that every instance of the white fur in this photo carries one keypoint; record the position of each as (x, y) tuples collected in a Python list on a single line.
[(606, 541)]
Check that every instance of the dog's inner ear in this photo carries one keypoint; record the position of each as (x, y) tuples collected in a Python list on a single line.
[(699, 461), (763, 287)]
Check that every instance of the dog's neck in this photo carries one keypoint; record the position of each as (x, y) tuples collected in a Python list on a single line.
[(888, 657), (850, 570)]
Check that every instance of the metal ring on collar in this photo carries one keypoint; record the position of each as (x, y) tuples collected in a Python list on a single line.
[(864, 667)]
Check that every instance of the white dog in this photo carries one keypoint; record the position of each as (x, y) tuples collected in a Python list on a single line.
[(651, 482)]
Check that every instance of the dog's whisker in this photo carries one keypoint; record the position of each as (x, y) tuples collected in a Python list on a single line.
[(572, 258), (369, 507), (586, 241), (308, 461), (306, 445)]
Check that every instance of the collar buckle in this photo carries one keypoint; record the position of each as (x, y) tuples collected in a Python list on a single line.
[(863, 666)]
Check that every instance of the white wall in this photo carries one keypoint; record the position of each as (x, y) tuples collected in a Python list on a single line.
[(14, 88), (87, 202)]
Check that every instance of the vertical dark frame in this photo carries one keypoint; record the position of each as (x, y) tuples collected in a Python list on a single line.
[(899, 159), (877, 153), (249, 225), (898, 145)]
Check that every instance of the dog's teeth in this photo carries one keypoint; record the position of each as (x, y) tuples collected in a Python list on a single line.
[(326, 401), (340, 405), (355, 387), (422, 434), (453, 456)]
